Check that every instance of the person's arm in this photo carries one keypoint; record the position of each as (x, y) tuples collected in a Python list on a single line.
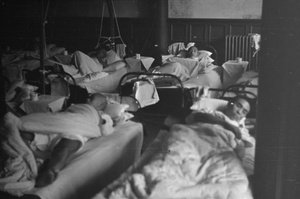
[(211, 119)]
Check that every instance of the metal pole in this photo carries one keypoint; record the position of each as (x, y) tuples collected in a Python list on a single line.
[(43, 44)]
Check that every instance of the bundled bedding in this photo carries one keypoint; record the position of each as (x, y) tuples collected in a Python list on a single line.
[(85, 168), (193, 160)]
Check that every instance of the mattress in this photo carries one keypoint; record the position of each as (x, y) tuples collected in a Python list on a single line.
[(100, 161)]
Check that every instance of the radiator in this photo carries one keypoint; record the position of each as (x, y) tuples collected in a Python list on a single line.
[(241, 46)]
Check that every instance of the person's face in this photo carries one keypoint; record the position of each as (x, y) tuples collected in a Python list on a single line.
[(238, 110), (193, 52), (99, 104), (101, 54)]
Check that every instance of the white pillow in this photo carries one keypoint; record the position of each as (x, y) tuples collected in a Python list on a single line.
[(209, 103), (111, 57), (204, 53), (115, 110), (118, 112)]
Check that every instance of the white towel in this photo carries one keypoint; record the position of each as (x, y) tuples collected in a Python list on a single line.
[(145, 92)]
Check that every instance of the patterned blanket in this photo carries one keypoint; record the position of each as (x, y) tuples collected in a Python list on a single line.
[(189, 161)]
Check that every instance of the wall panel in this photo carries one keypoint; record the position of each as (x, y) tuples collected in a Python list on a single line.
[(178, 32), (197, 32), (216, 31), (238, 29)]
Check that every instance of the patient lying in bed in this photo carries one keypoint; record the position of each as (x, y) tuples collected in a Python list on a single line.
[(196, 63), (233, 113), (94, 66), (62, 145), (197, 158)]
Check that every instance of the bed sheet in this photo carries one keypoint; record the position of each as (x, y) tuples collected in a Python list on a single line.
[(193, 73), (100, 161), (211, 79), (189, 161), (105, 84)]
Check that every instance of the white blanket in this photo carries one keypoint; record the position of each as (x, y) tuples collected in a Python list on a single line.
[(189, 161), (18, 168), (79, 119)]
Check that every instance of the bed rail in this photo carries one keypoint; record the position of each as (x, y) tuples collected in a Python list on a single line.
[(172, 94)]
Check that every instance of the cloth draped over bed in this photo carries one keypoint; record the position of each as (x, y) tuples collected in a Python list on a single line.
[(19, 167), (189, 161), (193, 73), (81, 119)]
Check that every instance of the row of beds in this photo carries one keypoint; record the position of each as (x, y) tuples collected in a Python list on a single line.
[(113, 166)]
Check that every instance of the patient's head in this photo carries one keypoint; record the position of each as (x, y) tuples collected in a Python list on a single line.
[(193, 52), (237, 108), (100, 53), (182, 54), (98, 101)]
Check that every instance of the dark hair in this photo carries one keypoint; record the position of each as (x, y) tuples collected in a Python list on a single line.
[(233, 100), (94, 96), (237, 97)]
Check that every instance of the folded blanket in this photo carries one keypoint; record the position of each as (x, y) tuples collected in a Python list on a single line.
[(189, 161)]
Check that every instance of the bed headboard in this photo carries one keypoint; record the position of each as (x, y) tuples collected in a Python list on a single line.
[(207, 46)]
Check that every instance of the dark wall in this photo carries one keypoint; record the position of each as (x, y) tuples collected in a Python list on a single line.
[(76, 25), (277, 160), (71, 25)]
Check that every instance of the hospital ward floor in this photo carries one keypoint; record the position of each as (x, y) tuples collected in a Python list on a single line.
[(151, 125)]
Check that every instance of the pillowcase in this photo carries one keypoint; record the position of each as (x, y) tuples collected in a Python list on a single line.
[(112, 57), (209, 103), (118, 112), (204, 53)]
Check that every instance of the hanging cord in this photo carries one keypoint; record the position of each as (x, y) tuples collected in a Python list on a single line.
[(100, 33), (117, 23), (109, 39)]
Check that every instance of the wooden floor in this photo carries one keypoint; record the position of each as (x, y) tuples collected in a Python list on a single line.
[(151, 124)]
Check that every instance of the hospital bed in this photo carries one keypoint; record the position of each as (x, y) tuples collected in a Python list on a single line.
[(163, 93), (193, 160), (99, 162), (107, 82)]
